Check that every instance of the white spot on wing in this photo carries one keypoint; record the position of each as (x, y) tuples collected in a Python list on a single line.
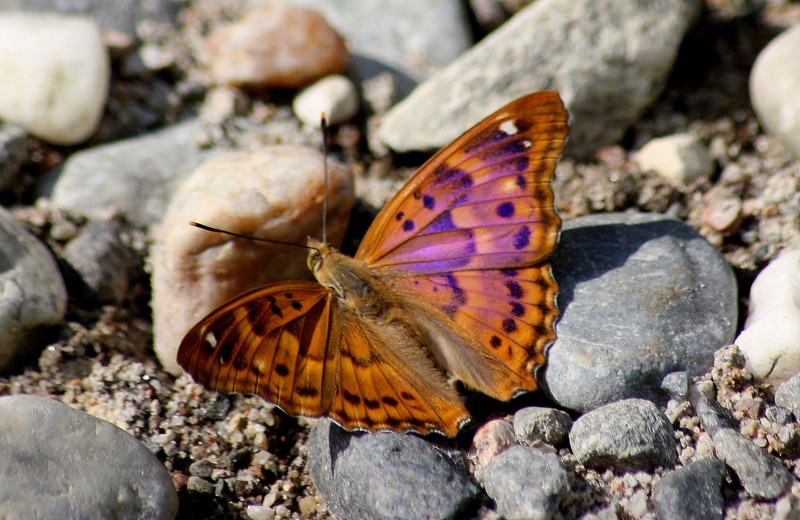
[(211, 339), (527, 144), (508, 127)]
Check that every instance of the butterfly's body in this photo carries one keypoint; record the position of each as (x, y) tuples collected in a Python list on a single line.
[(450, 280)]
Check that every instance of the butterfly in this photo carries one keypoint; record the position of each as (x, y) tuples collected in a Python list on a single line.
[(451, 279)]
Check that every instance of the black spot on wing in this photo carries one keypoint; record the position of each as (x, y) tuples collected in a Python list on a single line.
[(505, 209), (509, 325), (495, 342), (429, 202), (408, 225), (282, 370), (351, 398), (517, 309), (515, 289), (306, 391)]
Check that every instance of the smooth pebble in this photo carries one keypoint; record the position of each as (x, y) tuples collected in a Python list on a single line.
[(257, 50), (773, 88), (134, 177), (641, 296), (335, 96), (387, 475), (632, 433), (608, 59), (58, 462), (56, 73), (770, 339), (274, 192), (680, 158), (32, 291)]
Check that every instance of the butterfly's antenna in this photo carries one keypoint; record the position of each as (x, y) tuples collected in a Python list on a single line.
[(324, 126), (248, 237)]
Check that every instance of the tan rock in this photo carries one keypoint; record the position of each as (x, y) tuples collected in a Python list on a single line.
[(275, 192), (275, 45)]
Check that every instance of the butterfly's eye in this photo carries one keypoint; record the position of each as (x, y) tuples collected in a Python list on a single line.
[(314, 260)]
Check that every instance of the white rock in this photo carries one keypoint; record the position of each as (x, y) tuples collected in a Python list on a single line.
[(32, 291), (771, 337), (773, 88), (55, 72), (679, 158), (57, 462), (275, 192), (335, 96)]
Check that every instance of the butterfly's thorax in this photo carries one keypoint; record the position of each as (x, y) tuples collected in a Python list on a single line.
[(350, 280)]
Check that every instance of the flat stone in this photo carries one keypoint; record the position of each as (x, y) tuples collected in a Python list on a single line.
[(32, 291), (135, 177), (632, 433), (640, 296), (761, 474), (58, 462), (608, 59), (680, 158), (547, 425), (56, 72), (387, 475), (335, 96)]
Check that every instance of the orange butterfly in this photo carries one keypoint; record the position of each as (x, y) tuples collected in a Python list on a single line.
[(451, 278)]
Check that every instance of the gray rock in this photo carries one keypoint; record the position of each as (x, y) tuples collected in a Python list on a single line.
[(409, 39), (632, 433), (13, 149), (102, 263), (761, 474), (676, 385), (32, 292), (135, 177), (693, 491), (525, 483), (788, 395), (779, 414), (122, 15), (57, 462), (773, 83), (547, 425), (712, 415), (386, 475), (609, 60), (641, 296)]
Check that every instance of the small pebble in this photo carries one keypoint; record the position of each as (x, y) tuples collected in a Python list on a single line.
[(761, 474), (788, 395), (693, 491), (335, 96), (258, 51), (679, 158), (525, 483), (55, 71), (771, 337), (548, 425), (489, 440), (632, 433), (677, 385)]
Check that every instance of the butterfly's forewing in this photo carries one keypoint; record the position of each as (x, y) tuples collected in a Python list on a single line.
[(466, 238), (277, 341), (483, 202)]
